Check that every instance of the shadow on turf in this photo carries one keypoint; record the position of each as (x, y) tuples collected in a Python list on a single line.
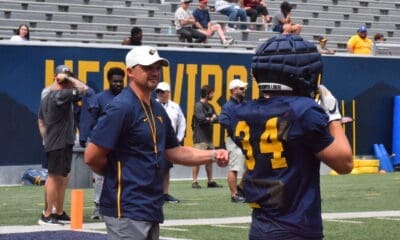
[(59, 235)]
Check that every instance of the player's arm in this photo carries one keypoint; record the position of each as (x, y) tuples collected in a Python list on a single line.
[(190, 156), (96, 158), (338, 154)]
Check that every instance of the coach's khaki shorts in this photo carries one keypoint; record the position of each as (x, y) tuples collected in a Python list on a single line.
[(236, 157)]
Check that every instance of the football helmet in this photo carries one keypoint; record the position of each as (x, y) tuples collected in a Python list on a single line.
[(287, 63)]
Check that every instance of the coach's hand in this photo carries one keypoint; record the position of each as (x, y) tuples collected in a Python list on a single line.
[(329, 104)]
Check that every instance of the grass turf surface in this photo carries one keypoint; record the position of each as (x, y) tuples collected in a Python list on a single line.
[(21, 205)]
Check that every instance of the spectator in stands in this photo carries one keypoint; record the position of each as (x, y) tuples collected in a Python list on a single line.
[(282, 22), (360, 43), (204, 25), (136, 37), (184, 22), (22, 34), (254, 8), (322, 48), (231, 9), (379, 38)]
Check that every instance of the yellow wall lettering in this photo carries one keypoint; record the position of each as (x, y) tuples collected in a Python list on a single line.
[(86, 67)]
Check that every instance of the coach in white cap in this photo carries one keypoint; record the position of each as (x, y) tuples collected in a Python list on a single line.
[(128, 147), (236, 158)]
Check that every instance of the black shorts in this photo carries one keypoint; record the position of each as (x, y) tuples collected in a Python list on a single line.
[(59, 161)]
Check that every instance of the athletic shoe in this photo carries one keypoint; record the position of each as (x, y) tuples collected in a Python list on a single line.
[(228, 42), (239, 191), (196, 185), (237, 199), (96, 213), (63, 218), (213, 185), (51, 220), (170, 199)]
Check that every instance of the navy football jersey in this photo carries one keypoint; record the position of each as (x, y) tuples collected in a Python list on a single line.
[(280, 137)]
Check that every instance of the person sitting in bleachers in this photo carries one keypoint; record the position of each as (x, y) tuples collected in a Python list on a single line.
[(22, 34), (282, 22), (204, 25), (136, 37), (360, 43), (322, 48), (231, 9), (254, 8), (184, 22)]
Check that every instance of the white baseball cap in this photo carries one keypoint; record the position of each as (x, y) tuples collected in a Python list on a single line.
[(237, 83), (145, 56), (163, 86)]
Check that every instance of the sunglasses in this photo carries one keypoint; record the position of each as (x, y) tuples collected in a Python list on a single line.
[(242, 88)]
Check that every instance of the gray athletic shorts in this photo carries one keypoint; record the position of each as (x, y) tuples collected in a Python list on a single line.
[(236, 157), (125, 228)]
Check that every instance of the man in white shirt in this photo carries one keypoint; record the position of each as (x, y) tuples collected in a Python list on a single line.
[(184, 22), (178, 122)]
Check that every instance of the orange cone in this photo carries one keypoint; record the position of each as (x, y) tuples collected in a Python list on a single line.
[(77, 208)]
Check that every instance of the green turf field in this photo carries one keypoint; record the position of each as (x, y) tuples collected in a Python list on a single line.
[(351, 193)]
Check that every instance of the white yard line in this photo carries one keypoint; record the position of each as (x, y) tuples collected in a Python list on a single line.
[(100, 227)]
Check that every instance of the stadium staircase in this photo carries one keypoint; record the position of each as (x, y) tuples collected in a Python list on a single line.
[(109, 21)]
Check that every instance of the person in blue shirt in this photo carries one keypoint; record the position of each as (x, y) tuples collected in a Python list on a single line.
[(128, 146), (204, 25), (237, 89), (93, 107), (285, 134)]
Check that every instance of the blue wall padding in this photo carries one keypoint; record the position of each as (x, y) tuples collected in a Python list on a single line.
[(396, 131), (378, 154), (386, 162)]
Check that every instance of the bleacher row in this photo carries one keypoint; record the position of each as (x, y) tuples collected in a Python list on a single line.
[(109, 21)]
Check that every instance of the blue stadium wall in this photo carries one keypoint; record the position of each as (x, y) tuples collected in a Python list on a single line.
[(371, 82)]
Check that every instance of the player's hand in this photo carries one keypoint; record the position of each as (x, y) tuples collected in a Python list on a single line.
[(329, 103), (221, 157)]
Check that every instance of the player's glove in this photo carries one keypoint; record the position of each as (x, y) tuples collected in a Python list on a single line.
[(329, 103)]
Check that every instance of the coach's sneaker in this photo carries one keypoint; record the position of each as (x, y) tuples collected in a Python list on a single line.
[(196, 185), (239, 191), (96, 213), (237, 199), (170, 199), (50, 220), (213, 185), (63, 218)]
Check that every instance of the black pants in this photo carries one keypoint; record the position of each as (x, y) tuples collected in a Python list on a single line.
[(188, 33), (253, 12)]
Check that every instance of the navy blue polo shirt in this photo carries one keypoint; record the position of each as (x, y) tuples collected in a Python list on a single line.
[(133, 182)]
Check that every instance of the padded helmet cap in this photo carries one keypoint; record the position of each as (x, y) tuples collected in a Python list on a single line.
[(287, 63)]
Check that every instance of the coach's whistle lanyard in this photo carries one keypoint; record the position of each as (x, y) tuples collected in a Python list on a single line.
[(152, 124)]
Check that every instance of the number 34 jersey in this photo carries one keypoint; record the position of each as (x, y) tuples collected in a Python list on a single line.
[(280, 137)]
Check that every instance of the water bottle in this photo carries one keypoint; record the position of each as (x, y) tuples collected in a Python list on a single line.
[(169, 30)]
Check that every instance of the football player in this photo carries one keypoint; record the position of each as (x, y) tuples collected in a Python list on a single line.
[(285, 135)]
